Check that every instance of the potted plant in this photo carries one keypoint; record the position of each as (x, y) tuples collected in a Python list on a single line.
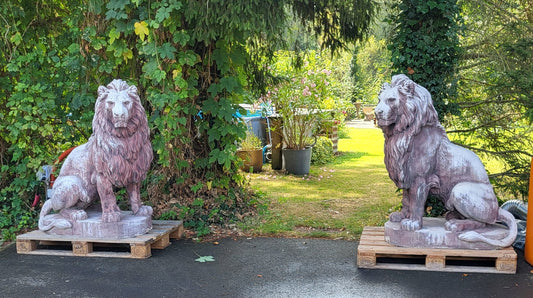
[(298, 103), (251, 152)]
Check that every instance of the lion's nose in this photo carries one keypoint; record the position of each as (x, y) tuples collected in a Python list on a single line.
[(118, 111)]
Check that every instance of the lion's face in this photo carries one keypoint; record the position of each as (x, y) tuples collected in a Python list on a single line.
[(118, 106), (387, 109)]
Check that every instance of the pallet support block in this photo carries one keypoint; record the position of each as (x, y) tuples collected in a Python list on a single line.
[(162, 243), (82, 248), (140, 247), (374, 252), (141, 251), (177, 233), (26, 246), (435, 262)]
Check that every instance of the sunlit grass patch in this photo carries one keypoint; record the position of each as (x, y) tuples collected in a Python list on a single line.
[(334, 201)]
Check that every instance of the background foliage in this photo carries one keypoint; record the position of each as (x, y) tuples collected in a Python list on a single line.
[(370, 67), (425, 46), (191, 61), (496, 90)]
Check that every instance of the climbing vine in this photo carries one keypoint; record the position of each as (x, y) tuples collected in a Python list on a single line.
[(425, 46)]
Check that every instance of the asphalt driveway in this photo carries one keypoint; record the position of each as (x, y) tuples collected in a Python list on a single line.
[(244, 267)]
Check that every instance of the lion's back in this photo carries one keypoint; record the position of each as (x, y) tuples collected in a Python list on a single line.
[(78, 162), (458, 164)]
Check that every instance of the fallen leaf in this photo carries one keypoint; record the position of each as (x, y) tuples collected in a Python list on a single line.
[(205, 259), (215, 243), (259, 275)]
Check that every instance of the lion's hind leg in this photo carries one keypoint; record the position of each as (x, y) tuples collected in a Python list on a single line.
[(68, 192), (474, 201), (45, 224), (458, 225)]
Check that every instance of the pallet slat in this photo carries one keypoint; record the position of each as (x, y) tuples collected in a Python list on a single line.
[(375, 253), (139, 247)]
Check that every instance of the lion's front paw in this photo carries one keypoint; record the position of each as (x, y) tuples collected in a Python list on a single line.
[(78, 215), (113, 216), (411, 224), (144, 211), (396, 216), (451, 225)]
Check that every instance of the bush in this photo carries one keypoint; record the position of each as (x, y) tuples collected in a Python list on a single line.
[(322, 151)]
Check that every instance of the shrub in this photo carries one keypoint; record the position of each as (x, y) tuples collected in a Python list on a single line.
[(322, 151)]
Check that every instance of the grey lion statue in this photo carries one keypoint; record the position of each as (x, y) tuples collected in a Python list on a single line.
[(421, 160), (117, 155)]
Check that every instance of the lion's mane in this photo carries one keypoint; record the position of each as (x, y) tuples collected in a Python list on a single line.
[(122, 155), (415, 111)]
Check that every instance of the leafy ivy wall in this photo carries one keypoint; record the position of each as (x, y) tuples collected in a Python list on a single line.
[(425, 46)]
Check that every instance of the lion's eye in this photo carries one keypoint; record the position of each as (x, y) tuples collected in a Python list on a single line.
[(127, 103), (110, 104), (391, 99)]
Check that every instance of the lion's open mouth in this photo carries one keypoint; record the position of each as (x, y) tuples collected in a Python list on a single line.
[(120, 123), (385, 122)]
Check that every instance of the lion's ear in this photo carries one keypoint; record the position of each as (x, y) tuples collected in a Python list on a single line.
[(132, 89), (385, 86), (411, 87), (102, 90), (408, 88)]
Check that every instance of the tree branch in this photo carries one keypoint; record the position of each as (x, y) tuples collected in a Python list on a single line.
[(497, 153)]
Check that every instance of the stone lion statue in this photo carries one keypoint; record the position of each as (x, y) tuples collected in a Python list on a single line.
[(421, 160), (117, 155)]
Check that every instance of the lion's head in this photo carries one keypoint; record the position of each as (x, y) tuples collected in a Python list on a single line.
[(121, 137), (404, 105), (118, 110)]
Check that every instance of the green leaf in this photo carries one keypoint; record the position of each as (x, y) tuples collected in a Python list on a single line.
[(205, 259), (162, 14), (16, 38), (167, 51), (181, 37), (113, 34)]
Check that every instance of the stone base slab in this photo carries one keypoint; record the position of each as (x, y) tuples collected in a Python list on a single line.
[(129, 226), (434, 235)]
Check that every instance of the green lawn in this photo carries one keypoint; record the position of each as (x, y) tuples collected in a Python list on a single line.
[(334, 201)]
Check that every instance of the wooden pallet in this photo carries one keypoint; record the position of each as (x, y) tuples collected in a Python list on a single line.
[(139, 247), (375, 253)]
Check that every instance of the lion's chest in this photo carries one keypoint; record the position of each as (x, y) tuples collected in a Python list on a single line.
[(410, 156), (118, 161)]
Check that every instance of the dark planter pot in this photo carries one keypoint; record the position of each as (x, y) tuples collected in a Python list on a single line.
[(252, 159), (297, 162)]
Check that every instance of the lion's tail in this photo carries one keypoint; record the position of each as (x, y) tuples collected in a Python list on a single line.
[(504, 216), (43, 226)]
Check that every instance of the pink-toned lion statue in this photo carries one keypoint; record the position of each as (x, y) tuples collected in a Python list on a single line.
[(117, 155), (421, 160)]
